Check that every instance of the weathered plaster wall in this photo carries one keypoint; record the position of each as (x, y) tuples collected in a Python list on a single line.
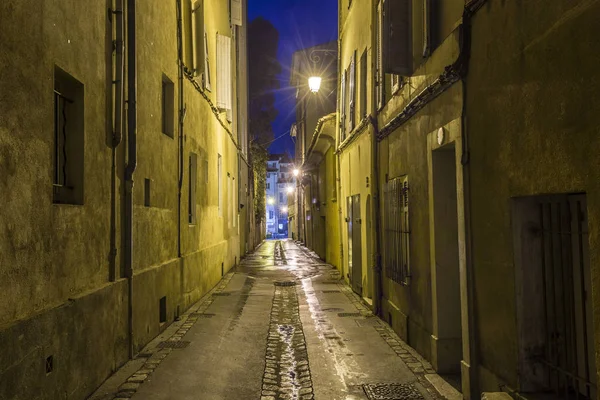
[(54, 259), (533, 107), (56, 293), (404, 152)]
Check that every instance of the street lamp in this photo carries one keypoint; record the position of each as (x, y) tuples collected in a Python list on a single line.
[(314, 83), (271, 201), (290, 190), (284, 210), (296, 172)]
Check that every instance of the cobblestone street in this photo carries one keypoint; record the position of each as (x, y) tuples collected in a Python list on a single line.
[(282, 326)]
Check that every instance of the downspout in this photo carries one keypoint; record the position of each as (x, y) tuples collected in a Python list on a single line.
[(181, 113), (470, 10), (377, 289), (131, 161), (117, 136), (377, 277)]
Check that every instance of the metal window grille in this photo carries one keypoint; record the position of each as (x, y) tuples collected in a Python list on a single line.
[(569, 351), (60, 138), (397, 230)]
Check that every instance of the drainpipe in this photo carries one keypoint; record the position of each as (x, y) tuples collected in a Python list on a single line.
[(117, 135), (377, 290), (181, 113), (131, 161)]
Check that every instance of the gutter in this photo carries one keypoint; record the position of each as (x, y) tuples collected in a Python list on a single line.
[(131, 161)]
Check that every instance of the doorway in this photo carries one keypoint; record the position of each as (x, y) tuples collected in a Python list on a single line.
[(554, 297), (354, 243), (447, 329)]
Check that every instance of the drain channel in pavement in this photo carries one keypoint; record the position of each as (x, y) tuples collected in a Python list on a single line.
[(287, 371)]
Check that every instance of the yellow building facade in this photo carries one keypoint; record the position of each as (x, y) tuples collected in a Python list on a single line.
[(128, 168)]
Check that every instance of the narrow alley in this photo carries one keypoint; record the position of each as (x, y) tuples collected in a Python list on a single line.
[(282, 326)]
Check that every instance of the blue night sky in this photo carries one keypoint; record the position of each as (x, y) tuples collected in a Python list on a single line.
[(301, 23)]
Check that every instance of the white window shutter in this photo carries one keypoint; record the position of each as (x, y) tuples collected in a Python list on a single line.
[(206, 75), (236, 12), (198, 35), (352, 85), (343, 107), (224, 91)]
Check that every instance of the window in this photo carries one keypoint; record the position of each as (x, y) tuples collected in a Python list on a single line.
[(396, 44), (206, 75), (229, 201), (197, 33), (224, 83), (220, 184), (343, 107), (397, 230), (168, 106), (234, 201), (147, 188), (68, 139), (268, 185), (352, 93), (193, 178), (281, 197), (363, 85), (271, 215)]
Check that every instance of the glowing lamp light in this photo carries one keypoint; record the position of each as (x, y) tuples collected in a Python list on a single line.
[(270, 200), (296, 172), (314, 83), (284, 210), (290, 189)]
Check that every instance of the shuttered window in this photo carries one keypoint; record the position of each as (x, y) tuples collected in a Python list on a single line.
[(236, 12), (198, 37), (187, 38), (397, 230), (343, 107), (352, 93), (363, 85), (397, 55), (206, 75), (224, 90)]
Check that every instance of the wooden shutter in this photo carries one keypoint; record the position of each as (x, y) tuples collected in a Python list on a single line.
[(352, 94), (198, 34), (343, 107), (186, 16), (397, 37), (224, 72), (206, 74), (363, 85), (236, 12)]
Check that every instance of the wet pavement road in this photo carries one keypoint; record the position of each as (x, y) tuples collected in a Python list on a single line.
[(281, 326)]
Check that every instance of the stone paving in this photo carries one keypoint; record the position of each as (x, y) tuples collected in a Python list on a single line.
[(281, 326)]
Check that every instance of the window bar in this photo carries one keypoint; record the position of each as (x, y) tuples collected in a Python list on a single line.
[(60, 179), (580, 238)]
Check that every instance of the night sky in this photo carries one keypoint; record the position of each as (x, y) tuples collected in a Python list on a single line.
[(301, 23)]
